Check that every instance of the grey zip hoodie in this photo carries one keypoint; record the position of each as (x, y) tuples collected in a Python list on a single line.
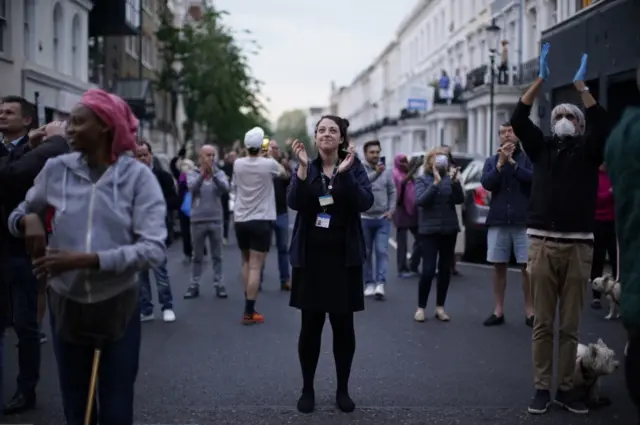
[(121, 218), (206, 203)]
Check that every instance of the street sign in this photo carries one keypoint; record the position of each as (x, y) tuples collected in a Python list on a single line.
[(417, 104)]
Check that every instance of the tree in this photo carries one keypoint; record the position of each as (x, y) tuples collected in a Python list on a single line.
[(293, 125), (203, 62)]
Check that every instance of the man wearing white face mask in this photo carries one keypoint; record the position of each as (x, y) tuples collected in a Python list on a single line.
[(560, 226)]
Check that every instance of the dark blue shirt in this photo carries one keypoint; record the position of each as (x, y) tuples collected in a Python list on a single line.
[(510, 188)]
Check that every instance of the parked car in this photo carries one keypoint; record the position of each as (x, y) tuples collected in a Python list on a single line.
[(474, 212)]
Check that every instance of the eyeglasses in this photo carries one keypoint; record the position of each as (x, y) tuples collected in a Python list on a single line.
[(570, 117)]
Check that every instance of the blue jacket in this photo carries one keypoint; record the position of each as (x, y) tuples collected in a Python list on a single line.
[(302, 194), (437, 205), (510, 189)]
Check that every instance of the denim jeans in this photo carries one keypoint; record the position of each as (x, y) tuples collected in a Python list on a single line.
[(18, 274), (116, 377), (281, 229), (376, 238), (165, 298)]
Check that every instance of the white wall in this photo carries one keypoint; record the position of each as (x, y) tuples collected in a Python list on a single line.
[(48, 51)]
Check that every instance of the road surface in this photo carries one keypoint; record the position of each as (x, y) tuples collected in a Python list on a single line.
[(208, 369)]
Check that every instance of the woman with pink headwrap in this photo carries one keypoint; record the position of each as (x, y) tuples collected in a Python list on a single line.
[(406, 218), (108, 224)]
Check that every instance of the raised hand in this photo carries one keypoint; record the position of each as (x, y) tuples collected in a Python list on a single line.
[(346, 164), (543, 64), (300, 153), (582, 71)]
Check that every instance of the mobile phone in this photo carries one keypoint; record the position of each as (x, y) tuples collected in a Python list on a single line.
[(383, 160)]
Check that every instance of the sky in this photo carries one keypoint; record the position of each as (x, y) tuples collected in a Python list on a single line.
[(308, 44)]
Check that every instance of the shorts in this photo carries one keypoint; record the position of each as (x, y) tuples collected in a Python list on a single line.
[(254, 235), (502, 240)]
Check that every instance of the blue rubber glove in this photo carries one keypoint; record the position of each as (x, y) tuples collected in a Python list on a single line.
[(582, 71), (543, 66)]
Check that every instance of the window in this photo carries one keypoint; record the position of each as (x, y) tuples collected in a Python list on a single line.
[(132, 13), (76, 41), (131, 46), (4, 30), (58, 52), (148, 52), (29, 38)]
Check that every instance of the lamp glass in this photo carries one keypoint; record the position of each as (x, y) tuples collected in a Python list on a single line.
[(493, 35)]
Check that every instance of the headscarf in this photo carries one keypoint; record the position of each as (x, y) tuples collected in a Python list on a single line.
[(409, 197), (117, 115)]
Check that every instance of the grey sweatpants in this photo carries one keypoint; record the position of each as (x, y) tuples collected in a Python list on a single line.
[(200, 232)]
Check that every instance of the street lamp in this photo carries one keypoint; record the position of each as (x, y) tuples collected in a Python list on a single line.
[(493, 32)]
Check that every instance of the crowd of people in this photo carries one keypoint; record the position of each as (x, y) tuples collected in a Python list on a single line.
[(86, 215)]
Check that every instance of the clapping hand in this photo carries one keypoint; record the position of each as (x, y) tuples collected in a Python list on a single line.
[(348, 161), (544, 66), (300, 153), (582, 71)]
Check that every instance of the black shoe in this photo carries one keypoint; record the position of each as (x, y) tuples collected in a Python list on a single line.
[(192, 292), (221, 291), (529, 321), (20, 403), (494, 320), (540, 403), (344, 402), (307, 402), (566, 400)]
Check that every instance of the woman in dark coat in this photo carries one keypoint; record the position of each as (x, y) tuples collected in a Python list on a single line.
[(437, 195), (327, 252)]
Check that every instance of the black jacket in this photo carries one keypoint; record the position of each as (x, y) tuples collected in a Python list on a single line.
[(565, 172), (18, 169), (510, 189), (171, 198)]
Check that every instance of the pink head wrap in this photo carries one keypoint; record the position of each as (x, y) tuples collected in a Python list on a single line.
[(117, 115)]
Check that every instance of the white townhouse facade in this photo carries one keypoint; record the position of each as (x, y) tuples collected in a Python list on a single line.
[(397, 98), (44, 53)]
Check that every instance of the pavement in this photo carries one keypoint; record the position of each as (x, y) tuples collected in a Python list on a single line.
[(208, 369)]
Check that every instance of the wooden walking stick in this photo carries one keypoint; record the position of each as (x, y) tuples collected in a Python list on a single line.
[(92, 385)]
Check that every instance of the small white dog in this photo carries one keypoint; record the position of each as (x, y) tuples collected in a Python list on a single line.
[(610, 289), (593, 361)]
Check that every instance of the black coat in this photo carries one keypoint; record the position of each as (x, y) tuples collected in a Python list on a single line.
[(18, 169), (171, 197)]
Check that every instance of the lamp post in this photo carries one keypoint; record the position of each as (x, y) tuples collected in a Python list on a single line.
[(493, 32)]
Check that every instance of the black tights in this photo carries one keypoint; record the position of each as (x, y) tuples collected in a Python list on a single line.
[(309, 342)]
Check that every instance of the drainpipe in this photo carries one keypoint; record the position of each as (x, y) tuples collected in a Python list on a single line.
[(521, 39)]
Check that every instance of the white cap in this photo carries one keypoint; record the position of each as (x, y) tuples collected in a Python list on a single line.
[(254, 138)]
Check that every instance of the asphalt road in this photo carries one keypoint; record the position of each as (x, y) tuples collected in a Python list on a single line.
[(208, 369)]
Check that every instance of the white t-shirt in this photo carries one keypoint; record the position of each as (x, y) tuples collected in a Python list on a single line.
[(253, 185)]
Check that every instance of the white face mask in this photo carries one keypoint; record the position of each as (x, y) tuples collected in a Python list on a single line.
[(442, 162), (564, 128)]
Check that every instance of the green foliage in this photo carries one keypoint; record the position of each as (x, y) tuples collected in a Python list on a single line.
[(203, 62), (293, 125)]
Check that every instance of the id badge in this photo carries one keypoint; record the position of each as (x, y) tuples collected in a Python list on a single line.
[(326, 200), (323, 220)]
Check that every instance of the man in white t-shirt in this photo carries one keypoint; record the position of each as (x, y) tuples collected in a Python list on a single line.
[(253, 214)]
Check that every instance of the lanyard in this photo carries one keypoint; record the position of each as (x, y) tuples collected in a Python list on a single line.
[(327, 189)]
